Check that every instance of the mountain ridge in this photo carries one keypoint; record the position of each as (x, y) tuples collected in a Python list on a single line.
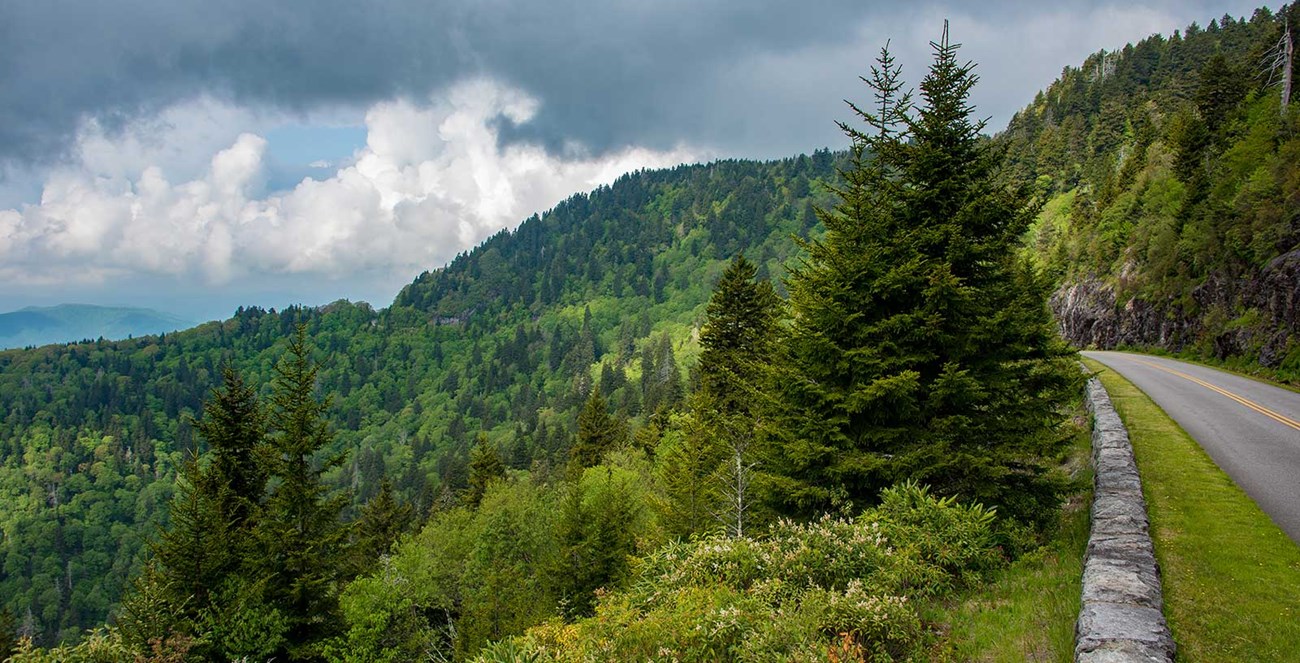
[(69, 322), (605, 290)]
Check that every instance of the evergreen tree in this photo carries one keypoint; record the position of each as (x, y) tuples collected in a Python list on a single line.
[(737, 336), (921, 345), (234, 427), (206, 540), (150, 613), (707, 472), (598, 432), (485, 466), (583, 354), (597, 537), (687, 463), (661, 384), (383, 519), (1220, 88), (8, 633), (299, 534), (612, 378), (195, 552), (519, 455)]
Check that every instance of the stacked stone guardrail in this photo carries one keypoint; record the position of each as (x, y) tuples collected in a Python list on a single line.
[(1122, 617)]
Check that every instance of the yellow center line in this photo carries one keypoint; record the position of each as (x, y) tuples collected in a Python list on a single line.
[(1244, 401)]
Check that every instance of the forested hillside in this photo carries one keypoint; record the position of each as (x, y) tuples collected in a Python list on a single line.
[(834, 461), (1172, 171), (606, 290)]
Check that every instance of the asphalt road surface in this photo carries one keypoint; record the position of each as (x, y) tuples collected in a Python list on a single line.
[(1251, 429)]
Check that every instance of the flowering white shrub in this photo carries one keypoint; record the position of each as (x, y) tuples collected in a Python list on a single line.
[(847, 589)]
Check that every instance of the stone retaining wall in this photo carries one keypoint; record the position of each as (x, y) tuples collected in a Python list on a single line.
[(1122, 617)]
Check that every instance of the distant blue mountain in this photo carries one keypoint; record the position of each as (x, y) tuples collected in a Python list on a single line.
[(75, 322)]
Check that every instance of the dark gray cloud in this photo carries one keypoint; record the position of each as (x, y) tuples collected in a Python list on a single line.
[(605, 71), (199, 121), (735, 75)]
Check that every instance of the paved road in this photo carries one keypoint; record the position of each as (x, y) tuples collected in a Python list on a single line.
[(1251, 429)]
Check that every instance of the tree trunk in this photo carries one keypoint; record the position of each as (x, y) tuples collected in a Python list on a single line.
[(1288, 50)]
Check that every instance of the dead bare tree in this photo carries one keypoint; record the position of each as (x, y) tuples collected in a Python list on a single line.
[(1277, 64), (736, 473)]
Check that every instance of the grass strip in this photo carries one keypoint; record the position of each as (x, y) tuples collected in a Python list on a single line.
[(1231, 577), (1027, 612)]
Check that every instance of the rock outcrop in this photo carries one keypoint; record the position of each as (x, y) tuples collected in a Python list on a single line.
[(1257, 316)]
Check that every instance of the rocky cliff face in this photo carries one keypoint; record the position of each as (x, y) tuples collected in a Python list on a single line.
[(1257, 315)]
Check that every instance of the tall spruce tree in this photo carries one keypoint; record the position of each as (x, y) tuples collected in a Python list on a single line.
[(736, 343), (299, 534), (382, 521), (921, 346), (661, 385), (234, 427), (687, 461), (485, 466), (598, 433), (597, 537), (738, 335), (195, 552), (206, 544)]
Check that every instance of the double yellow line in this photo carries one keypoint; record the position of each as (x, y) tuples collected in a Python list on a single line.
[(1277, 416)]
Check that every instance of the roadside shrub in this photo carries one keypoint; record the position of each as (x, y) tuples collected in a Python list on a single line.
[(835, 588)]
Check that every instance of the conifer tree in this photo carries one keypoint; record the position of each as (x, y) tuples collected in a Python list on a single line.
[(234, 427), (383, 519), (149, 612), (1220, 88), (661, 385), (598, 432), (596, 537), (583, 354), (206, 540), (299, 533), (8, 633), (737, 336), (485, 466), (687, 463), (711, 468), (195, 552), (921, 345)]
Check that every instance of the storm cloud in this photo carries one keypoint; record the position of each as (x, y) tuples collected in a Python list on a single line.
[(433, 179), (138, 138), (732, 74)]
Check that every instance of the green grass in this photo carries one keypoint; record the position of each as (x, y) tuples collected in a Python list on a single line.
[(1027, 612), (1231, 577), (1247, 368)]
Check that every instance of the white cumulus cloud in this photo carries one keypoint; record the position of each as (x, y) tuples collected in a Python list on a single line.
[(432, 180)]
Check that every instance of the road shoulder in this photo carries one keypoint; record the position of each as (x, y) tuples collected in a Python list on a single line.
[(1230, 574)]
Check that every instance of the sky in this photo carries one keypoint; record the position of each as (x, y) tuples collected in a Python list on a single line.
[(194, 156)]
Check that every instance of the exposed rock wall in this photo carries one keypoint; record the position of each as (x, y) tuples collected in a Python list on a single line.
[(1090, 315), (1122, 617)]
